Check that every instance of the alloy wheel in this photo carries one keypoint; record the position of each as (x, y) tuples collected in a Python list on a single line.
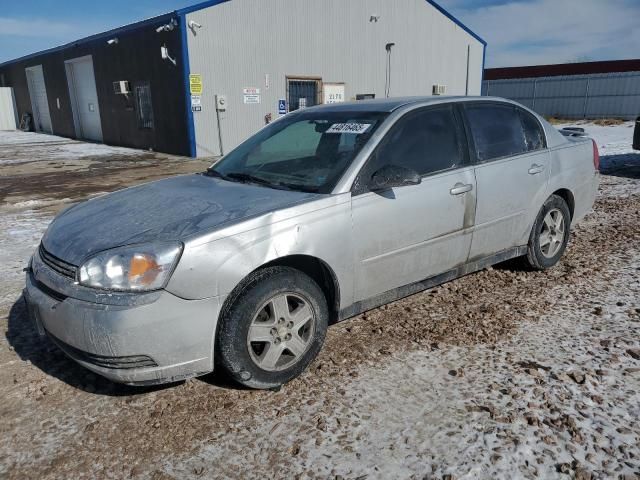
[(552, 233), (281, 332)]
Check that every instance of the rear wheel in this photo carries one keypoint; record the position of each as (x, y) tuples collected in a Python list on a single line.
[(550, 234), (274, 328)]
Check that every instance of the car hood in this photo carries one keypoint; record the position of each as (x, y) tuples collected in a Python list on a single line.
[(166, 210)]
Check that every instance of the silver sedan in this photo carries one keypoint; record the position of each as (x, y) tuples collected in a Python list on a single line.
[(325, 213)]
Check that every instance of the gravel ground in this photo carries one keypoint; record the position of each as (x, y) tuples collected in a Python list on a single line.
[(501, 374)]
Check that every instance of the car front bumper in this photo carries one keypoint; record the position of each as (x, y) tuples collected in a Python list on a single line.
[(161, 340)]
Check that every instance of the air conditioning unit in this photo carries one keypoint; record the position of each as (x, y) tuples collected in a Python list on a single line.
[(439, 89), (121, 87)]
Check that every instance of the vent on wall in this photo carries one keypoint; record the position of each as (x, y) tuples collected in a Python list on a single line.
[(439, 89), (121, 87)]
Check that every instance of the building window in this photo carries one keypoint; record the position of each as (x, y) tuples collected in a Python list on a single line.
[(144, 107)]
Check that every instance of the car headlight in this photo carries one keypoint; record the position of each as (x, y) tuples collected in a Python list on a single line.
[(132, 268)]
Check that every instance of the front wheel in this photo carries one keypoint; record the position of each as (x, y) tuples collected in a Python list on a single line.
[(550, 234), (274, 328)]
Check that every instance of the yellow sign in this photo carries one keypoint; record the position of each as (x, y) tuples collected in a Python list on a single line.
[(195, 83)]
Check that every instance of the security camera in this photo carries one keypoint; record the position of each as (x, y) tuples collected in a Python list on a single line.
[(112, 41), (168, 27), (193, 24)]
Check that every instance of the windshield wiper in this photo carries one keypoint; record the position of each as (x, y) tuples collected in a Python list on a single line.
[(247, 177), (239, 176)]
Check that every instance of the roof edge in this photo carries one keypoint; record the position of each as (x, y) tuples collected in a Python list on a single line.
[(456, 21), (182, 12), (562, 69), (442, 10), (97, 36), (200, 6)]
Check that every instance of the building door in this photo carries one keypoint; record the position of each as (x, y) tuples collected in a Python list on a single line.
[(303, 92), (39, 100), (84, 98)]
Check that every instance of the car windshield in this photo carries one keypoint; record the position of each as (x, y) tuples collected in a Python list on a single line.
[(306, 151)]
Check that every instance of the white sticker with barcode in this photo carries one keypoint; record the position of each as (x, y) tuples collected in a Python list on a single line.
[(356, 128)]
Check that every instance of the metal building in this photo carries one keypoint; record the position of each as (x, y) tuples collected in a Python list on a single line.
[(199, 80), (609, 89)]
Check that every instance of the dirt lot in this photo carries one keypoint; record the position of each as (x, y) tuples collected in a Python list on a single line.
[(502, 374)]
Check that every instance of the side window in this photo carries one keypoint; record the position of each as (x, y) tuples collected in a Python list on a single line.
[(427, 141), (144, 108), (497, 131), (533, 133)]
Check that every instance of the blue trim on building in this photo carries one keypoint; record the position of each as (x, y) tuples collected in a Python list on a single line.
[(200, 6), (156, 21), (186, 71), (457, 22)]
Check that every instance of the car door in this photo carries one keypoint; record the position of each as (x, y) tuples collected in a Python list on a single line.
[(512, 173), (406, 234)]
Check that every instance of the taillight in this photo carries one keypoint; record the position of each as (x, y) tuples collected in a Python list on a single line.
[(596, 156)]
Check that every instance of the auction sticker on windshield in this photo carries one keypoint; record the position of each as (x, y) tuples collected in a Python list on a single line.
[(357, 128)]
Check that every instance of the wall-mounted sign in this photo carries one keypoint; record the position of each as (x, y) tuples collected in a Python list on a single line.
[(282, 106), (251, 95), (195, 84), (196, 103), (333, 92)]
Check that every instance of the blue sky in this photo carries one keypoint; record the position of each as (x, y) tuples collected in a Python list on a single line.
[(519, 32)]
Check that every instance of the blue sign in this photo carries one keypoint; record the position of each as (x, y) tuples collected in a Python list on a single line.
[(282, 106)]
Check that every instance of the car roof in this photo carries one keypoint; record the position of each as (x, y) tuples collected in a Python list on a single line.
[(391, 104)]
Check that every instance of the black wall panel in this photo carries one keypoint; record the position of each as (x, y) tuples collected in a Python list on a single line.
[(136, 58)]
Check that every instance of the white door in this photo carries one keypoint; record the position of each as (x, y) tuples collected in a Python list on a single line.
[(407, 234), (84, 98), (39, 100)]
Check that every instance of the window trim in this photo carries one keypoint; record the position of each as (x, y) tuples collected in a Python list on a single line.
[(471, 141), (357, 189), (522, 112)]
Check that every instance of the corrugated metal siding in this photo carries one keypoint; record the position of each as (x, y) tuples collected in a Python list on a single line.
[(242, 40), (614, 95)]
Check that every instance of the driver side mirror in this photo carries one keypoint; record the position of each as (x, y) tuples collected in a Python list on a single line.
[(391, 176)]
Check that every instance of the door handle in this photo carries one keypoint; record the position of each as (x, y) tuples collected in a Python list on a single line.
[(535, 169), (460, 188)]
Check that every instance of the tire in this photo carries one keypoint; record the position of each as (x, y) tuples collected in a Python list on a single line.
[(268, 313), (550, 234)]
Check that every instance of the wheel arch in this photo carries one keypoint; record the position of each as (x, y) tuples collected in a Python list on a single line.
[(315, 268), (568, 197)]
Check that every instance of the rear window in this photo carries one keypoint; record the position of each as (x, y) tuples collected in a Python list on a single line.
[(497, 131), (533, 133)]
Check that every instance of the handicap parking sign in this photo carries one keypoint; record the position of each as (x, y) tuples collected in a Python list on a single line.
[(282, 106)]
